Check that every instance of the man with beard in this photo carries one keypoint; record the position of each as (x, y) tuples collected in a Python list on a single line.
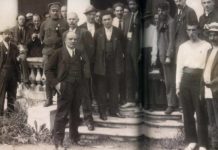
[(9, 72), (66, 69), (210, 15), (85, 43), (165, 45), (51, 36)]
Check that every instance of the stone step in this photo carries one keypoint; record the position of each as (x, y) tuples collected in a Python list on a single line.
[(160, 115), (114, 122), (120, 134)]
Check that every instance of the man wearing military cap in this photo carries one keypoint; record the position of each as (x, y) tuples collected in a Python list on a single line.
[(211, 83), (51, 36), (9, 71)]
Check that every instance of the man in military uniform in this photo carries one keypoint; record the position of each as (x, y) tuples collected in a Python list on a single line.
[(51, 35)]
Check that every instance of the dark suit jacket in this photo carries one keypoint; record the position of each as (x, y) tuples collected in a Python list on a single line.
[(214, 78), (16, 38), (84, 26), (34, 47), (85, 41), (132, 46), (166, 39), (12, 55), (181, 21), (58, 68), (212, 17), (100, 43)]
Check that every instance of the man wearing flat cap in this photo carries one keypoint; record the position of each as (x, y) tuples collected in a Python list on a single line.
[(9, 72), (91, 26), (51, 36), (211, 84)]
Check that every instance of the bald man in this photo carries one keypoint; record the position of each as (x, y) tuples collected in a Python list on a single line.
[(85, 43), (66, 70)]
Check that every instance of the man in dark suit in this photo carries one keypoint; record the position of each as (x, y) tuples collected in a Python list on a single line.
[(211, 84), (91, 26), (34, 45), (165, 45), (131, 28), (108, 65), (210, 15), (184, 13), (85, 42), (66, 70), (9, 72), (21, 36), (51, 31)]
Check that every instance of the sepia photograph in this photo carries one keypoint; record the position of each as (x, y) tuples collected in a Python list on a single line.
[(109, 75)]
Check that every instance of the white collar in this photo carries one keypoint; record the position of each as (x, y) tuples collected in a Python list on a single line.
[(73, 30), (109, 29), (6, 44), (71, 51)]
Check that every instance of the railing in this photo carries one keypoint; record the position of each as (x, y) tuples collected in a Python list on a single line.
[(35, 93)]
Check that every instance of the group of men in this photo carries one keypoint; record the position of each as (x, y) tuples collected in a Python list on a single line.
[(187, 51), (97, 60)]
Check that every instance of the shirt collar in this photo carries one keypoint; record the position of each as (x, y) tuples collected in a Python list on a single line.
[(109, 29), (6, 44)]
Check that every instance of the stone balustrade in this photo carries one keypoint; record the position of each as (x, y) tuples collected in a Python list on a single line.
[(35, 93)]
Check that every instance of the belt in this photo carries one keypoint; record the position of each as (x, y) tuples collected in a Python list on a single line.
[(192, 71)]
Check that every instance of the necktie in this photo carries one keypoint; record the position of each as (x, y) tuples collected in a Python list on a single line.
[(119, 26)]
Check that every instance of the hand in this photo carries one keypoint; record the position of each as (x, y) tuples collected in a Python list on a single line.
[(177, 92), (168, 60), (208, 84), (34, 36), (58, 88)]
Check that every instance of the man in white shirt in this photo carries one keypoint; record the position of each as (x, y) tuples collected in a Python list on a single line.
[(109, 64), (191, 61), (210, 80)]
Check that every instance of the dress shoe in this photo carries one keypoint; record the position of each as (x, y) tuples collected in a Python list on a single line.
[(118, 114), (90, 126), (169, 110), (191, 146), (78, 142), (103, 116), (127, 105), (48, 103)]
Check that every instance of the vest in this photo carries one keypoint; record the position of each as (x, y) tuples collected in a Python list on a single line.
[(75, 69)]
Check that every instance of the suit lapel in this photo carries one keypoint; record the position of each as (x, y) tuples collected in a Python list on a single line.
[(215, 61), (114, 38), (65, 54)]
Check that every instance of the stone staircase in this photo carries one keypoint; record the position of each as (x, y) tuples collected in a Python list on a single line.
[(137, 124)]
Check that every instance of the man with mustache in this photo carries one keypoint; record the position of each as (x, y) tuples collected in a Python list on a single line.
[(51, 36)]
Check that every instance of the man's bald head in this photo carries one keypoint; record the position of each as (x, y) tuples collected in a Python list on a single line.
[(71, 39), (72, 19)]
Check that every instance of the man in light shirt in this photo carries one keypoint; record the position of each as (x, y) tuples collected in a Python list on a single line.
[(211, 84), (191, 61), (108, 65)]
